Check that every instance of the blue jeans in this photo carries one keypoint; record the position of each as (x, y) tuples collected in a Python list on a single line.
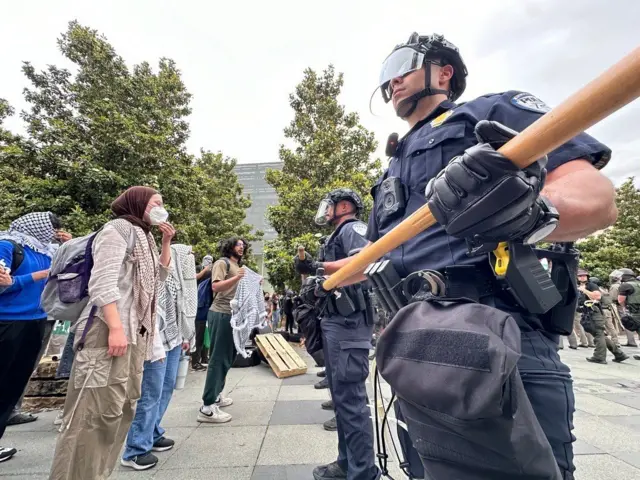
[(158, 382)]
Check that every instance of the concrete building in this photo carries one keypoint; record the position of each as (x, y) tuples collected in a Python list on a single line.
[(252, 177)]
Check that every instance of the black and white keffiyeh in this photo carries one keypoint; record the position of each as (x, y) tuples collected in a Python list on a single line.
[(178, 300), (33, 230), (247, 310)]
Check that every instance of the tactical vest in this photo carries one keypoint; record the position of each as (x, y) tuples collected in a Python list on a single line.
[(633, 300), (606, 299)]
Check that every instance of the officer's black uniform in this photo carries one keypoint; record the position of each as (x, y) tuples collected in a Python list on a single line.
[(424, 151), (346, 343)]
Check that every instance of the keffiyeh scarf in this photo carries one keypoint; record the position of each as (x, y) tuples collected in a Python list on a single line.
[(33, 230), (247, 309), (146, 278), (178, 300)]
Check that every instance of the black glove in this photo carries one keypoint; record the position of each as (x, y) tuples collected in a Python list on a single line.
[(308, 266), (312, 291), (483, 196)]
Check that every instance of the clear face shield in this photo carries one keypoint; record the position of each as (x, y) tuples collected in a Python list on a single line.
[(324, 215), (398, 64)]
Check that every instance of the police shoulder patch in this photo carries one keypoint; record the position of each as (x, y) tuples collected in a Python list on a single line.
[(360, 228), (526, 101), (440, 119)]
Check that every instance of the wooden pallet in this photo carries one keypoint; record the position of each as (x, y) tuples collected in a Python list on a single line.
[(283, 359)]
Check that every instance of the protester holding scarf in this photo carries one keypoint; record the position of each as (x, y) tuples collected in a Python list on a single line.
[(25, 257), (106, 376)]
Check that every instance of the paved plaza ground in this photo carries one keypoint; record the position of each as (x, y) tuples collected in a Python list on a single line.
[(277, 434)]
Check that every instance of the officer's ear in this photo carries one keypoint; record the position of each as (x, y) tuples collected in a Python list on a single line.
[(446, 73)]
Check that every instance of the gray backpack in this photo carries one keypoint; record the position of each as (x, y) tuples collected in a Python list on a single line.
[(67, 291)]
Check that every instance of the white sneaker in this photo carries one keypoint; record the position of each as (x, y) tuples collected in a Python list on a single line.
[(223, 401), (212, 414), (58, 420)]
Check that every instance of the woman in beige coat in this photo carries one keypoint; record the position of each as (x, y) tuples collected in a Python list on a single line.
[(107, 370)]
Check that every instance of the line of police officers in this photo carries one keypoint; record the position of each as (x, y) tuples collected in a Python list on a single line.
[(474, 365)]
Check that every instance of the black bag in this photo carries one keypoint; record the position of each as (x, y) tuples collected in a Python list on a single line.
[(251, 361), (306, 316), (453, 367), (630, 322), (587, 321)]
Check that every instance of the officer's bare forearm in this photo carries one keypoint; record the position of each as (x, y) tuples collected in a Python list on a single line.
[(585, 200), (333, 267)]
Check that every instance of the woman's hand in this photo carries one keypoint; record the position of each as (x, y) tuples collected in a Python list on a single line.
[(117, 342), (185, 346), (168, 232)]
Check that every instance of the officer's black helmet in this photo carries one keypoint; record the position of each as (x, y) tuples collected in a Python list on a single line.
[(346, 194), (595, 280), (436, 47), (627, 274)]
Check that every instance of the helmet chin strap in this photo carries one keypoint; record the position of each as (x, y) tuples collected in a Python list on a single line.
[(407, 106)]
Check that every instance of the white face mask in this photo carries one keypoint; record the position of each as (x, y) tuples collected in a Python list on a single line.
[(158, 215)]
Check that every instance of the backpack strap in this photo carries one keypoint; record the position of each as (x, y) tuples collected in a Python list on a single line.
[(18, 255)]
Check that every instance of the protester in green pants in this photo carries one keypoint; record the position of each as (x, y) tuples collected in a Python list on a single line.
[(225, 275)]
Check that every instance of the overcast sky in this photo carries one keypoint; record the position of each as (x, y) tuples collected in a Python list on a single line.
[(241, 62)]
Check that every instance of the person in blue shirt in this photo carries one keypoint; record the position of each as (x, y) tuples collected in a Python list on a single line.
[(26, 250), (449, 160), (347, 327)]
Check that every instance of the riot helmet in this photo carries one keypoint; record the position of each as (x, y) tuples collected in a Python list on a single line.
[(326, 210), (615, 276), (417, 52), (627, 274), (595, 281)]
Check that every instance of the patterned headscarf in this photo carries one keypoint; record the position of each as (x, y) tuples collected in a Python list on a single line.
[(207, 260), (33, 230)]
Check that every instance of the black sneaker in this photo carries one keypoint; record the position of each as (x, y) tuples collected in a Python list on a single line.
[(331, 425), (141, 462), (324, 383), (322, 373), (329, 472), (7, 453), (328, 405), (163, 444)]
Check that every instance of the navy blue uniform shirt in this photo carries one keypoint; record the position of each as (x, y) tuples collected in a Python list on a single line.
[(349, 236), (429, 147)]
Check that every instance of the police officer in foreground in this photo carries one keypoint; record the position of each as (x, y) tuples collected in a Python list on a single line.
[(592, 309), (470, 412), (347, 327)]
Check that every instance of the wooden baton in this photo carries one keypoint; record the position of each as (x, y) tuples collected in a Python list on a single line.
[(612, 90)]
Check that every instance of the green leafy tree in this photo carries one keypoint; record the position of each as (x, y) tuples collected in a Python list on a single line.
[(618, 246), (107, 127), (331, 150)]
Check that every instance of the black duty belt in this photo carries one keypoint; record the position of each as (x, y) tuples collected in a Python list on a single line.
[(460, 281)]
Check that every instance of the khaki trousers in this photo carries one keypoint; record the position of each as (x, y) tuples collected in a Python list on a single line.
[(99, 408)]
